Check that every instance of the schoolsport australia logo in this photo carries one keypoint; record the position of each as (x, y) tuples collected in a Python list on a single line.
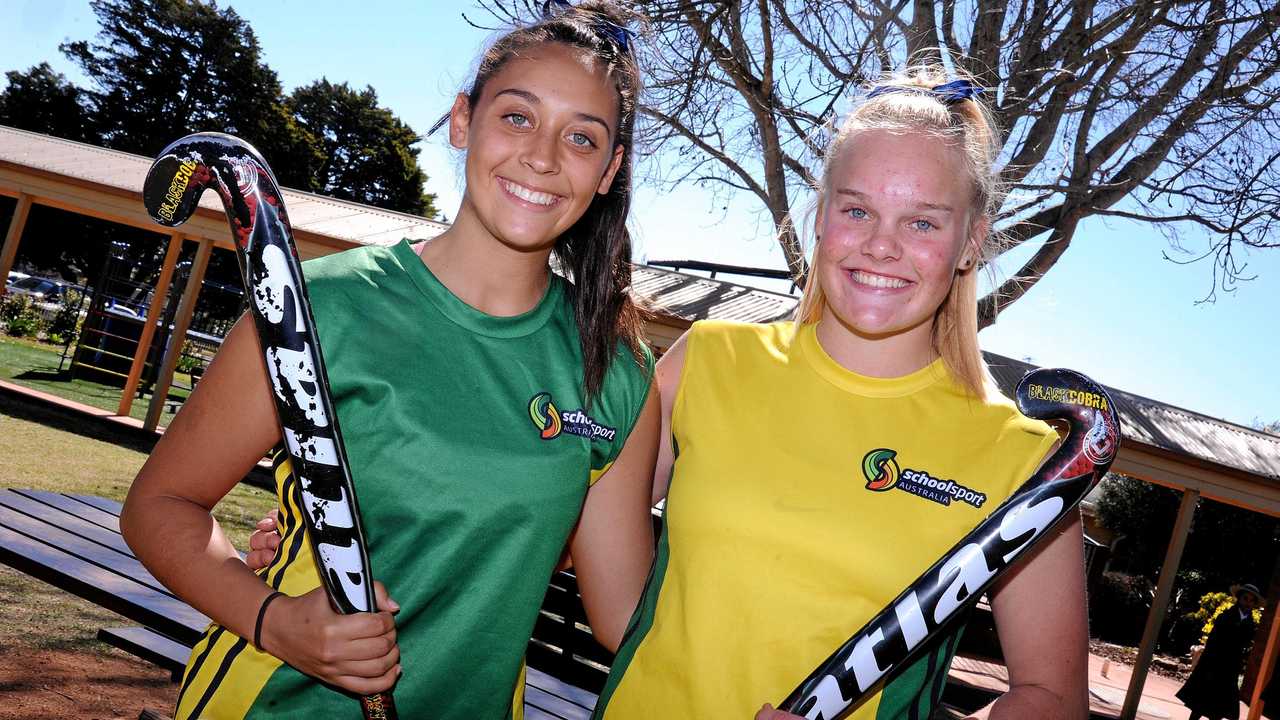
[(550, 421), (881, 469), (545, 416)]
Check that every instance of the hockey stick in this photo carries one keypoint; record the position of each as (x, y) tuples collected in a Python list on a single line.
[(959, 577), (286, 330)]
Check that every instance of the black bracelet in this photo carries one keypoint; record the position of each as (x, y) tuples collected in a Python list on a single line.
[(262, 612)]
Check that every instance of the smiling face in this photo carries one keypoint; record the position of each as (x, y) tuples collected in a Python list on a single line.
[(895, 228), (540, 144)]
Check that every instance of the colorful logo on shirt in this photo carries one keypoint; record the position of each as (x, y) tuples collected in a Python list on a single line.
[(551, 422), (880, 467), (545, 416)]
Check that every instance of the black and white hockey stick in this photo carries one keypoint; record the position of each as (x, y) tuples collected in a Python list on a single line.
[(959, 577), (286, 330)]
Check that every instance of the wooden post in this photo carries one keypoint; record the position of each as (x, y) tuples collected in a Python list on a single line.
[(1160, 603), (1265, 670), (149, 325), (1268, 664), (9, 250), (181, 321)]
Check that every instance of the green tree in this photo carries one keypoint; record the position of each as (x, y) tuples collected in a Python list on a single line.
[(1143, 514), (1227, 544), (165, 68), (1162, 112), (367, 153), (43, 101)]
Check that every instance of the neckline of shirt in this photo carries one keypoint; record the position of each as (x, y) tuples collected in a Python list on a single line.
[(840, 376), (462, 314)]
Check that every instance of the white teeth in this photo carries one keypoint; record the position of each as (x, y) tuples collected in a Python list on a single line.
[(524, 193), (880, 281)]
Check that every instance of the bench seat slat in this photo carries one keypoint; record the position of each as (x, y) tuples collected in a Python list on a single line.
[(75, 507), (104, 504), (150, 646), (72, 545), (554, 686), (115, 592), (46, 514)]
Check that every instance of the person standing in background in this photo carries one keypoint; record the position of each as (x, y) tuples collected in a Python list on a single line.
[(1213, 689)]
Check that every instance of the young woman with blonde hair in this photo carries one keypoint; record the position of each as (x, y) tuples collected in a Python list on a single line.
[(816, 468)]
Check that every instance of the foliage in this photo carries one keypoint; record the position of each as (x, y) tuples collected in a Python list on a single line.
[(65, 326), (166, 68), (1143, 514), (1180, 630), (366, 152), (1212, 605), (1227, 545), (43, 101), (1118, 607), (1160, 111), (190, 358), (20, 316), (161, 69)]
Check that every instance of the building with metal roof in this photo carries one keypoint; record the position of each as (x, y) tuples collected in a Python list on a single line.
[(677, 300), (1198, 455), (107, 184)]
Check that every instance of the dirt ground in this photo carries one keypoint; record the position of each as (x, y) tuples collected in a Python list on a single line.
[(39, 684)]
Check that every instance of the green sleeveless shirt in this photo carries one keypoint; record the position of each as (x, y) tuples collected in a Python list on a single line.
[(471, 453)]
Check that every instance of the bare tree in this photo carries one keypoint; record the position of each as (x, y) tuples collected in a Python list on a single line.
[(1162, 111)]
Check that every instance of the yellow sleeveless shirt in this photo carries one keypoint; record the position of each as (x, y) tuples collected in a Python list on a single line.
[(803, 499)]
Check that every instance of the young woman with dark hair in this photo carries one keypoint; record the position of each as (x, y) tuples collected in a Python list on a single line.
[(494, 413)]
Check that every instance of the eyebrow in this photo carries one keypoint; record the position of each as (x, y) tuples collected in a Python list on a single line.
[(923, 206), (535, 100)]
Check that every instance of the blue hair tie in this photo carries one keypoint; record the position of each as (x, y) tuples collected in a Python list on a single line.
[(948, 93), (620, 35)]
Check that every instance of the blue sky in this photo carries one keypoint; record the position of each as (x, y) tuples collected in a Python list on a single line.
[(1112, 307)]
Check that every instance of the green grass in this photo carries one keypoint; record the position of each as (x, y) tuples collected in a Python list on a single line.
[(42, 449), (35, 365)]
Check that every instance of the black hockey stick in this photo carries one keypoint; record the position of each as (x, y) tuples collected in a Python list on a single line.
[(959, 577), (286, 330)]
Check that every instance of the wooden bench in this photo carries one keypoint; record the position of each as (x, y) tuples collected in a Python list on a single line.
[(73, 542)]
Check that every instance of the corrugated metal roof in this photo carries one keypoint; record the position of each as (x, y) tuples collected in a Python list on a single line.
[(677, 295), (1146, 421), (124, 172), (690, 297), (1171, 428)]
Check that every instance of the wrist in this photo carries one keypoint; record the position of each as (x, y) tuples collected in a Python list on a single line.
[(260, 632)]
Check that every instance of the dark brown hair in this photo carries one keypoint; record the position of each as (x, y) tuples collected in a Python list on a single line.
[(595, 253)]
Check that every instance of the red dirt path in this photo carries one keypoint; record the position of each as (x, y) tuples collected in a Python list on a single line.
[(44, 684)]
